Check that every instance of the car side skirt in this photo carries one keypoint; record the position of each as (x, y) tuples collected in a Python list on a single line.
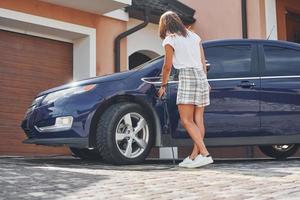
[(234, 141), (71, 142), (167, 141)]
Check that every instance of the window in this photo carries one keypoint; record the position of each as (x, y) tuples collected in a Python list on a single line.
[(229, 61), (149, 63), (174, 74), (281, 61)]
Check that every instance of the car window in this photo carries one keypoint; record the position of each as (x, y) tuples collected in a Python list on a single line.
[(281, 61), (148, 63), (230, 61), (174, 74)]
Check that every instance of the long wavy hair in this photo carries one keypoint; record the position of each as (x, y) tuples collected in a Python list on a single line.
[(170, 23)]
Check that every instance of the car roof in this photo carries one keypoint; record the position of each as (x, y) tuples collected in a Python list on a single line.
[(220, 42), (250, 41)]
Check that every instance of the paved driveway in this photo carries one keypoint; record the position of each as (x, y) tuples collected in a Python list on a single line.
[(68, 178)]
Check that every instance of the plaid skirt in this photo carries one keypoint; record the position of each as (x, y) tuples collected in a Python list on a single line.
[(193, 87)]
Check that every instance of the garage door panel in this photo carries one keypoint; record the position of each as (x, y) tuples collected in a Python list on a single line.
[(20, 43), (28, 65), (32, 81), (27, 69), (12, 113)]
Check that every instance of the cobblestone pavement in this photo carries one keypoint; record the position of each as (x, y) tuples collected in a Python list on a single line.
[(69, 178)]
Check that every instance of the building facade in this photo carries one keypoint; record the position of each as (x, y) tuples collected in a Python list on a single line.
[(218, 19), (45, 43)]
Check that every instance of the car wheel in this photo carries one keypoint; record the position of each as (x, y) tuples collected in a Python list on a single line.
[(279, 151), (86, 154), (125, 134)]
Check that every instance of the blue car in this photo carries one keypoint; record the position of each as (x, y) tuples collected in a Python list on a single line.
[(255, 100)]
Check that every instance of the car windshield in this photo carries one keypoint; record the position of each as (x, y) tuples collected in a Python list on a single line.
[(144, 65)]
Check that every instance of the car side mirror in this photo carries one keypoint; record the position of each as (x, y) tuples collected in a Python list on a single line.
[(175, 76), (172, 78)]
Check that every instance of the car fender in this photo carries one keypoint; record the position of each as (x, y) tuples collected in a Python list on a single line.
[(145, 99)]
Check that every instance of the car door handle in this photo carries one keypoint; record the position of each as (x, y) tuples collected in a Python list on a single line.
[(156, 81), (246, 84)]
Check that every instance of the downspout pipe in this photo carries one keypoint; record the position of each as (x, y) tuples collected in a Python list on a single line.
[(244, 19), (117, 41)]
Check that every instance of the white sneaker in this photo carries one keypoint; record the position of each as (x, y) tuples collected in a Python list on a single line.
[(200, 161), (187, 161)]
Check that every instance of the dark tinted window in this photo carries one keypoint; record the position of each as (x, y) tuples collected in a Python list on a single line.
[(150, 63), (281, 61), (174, 73), (229, 61)]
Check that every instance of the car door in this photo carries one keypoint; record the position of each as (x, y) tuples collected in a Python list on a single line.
[(235, 83), (177, 130), (234, 108), (280, 90)]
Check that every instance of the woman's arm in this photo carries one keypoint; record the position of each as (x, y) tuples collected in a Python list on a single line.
[(169, 51)]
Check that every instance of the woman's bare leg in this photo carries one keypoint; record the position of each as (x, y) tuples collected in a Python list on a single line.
[(198, 119), (195, 151), (186, 112)]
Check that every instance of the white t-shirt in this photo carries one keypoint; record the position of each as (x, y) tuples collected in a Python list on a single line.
[(186, 50)]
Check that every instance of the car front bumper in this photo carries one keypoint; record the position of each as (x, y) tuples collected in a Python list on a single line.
[(61, 123)]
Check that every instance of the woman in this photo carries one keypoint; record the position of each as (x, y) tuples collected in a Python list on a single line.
[(184, 50)]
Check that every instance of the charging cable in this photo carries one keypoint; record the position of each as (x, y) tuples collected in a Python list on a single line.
[(155, 81), (167, 127)]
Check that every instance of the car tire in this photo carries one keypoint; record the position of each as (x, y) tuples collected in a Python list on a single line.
[(86, 154), (279, 151), (130, 145)]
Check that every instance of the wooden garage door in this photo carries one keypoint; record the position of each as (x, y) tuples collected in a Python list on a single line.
[(28, 65)]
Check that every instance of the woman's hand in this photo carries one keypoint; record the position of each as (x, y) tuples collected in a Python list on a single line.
[(161, 91)]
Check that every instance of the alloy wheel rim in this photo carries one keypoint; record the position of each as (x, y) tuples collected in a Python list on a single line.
[(132, 135), (283, 147)]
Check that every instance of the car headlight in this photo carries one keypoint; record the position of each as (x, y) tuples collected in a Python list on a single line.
[(52, 97), (35, 102)]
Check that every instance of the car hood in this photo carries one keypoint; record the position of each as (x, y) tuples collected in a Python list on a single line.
[(92, 80)]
